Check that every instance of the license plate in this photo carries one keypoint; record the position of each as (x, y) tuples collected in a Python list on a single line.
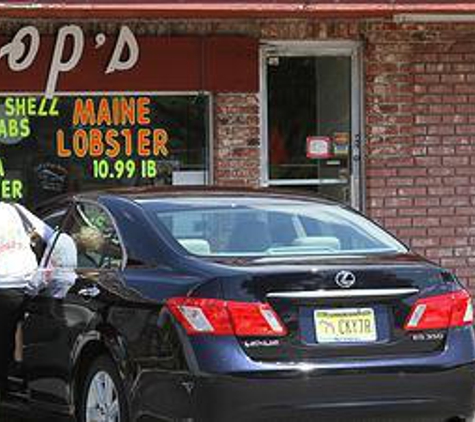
[(353, 325)]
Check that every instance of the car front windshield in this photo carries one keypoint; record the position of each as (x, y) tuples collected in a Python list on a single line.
[(240, 227)]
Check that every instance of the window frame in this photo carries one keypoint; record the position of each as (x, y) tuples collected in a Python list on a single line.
[(352, 49), (208, 168), (75, 203), (63, 212), (64, 209)]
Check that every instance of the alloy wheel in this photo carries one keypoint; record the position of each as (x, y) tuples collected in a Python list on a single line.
[(102, 403)]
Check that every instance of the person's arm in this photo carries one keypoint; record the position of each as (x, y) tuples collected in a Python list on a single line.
[(41, 228)]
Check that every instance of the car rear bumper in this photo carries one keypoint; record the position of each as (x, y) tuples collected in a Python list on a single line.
[(382, 394), (224, 385)]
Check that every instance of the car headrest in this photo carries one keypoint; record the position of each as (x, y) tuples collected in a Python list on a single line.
[(196, 246), (320, 242)]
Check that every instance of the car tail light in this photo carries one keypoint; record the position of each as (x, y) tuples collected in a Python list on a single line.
[(442, 311), (222, 318)]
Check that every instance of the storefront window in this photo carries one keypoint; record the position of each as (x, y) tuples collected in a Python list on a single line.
[(73, 143)]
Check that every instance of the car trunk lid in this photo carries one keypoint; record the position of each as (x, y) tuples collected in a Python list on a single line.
[(327, 318)]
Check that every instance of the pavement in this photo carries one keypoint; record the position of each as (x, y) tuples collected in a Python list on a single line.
[(17, 414), (14, 416)]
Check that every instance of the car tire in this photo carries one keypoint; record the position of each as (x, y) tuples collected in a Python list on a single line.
[(102, 395)]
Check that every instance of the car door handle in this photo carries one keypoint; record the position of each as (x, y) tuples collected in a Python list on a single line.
[(89, 292)]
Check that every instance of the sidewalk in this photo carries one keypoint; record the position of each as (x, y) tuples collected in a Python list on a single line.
[(15, 415)]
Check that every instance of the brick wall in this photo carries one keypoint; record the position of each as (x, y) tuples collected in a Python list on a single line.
[(237, 152), (420, 138)]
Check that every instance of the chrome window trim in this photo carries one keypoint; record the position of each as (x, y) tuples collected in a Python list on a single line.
[(341, 294)]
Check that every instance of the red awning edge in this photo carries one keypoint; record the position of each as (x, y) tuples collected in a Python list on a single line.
[(228, 10)]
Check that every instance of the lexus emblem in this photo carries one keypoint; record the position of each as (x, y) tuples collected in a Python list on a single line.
[(345, 279)]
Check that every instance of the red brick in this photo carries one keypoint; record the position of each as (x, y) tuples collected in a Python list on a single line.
[(455, 161), (441, 171), (382, 192), (453, 262), (383, 212), (439, 253), (441, 130), (428, 99), (410, 172), (441, 89), (441, 108), (428, 161), (465, 190), (441, 211), (400, 162), (413, 191), (455, 201), (465, 108), (455, 221), (456, 119), (376, 183), (454, 78), (465, 211), (427, 78), (411, 233), (428, 119), (426, 221), (427, 202), (398, 202), (441, 191), (400, 181), (441, 231), (425, 242), (456, 181), (410, 212), (441, 150), (464, 251), (437, 68), (397, 222), (455, 99), (428, 181), (465, 129)]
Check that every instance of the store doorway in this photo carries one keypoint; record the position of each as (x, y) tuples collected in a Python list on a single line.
[(312, 115)]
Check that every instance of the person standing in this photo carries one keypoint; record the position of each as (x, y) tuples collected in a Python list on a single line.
[(17, 265)]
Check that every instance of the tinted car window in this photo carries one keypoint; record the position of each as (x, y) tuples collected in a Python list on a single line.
[(90, 235), (285, 228)]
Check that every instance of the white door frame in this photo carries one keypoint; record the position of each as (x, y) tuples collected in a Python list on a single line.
[(319, 48)]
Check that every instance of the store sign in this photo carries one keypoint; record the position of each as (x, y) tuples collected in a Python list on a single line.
[(9, 188), (319, 147), (68, 50), (74, 61), (117, 133)]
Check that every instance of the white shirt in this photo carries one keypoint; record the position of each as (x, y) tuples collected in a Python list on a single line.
[(17, 260), (57, 267)]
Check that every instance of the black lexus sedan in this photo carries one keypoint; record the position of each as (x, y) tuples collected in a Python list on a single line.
[(226, 305)]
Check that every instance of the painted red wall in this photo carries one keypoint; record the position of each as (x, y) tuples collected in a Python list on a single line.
[(175, 63)]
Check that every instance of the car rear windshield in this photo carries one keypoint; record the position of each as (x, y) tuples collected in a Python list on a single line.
[(225, 227)]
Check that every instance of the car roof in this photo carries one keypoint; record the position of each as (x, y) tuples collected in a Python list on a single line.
[(144, 193), (141, 194)]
